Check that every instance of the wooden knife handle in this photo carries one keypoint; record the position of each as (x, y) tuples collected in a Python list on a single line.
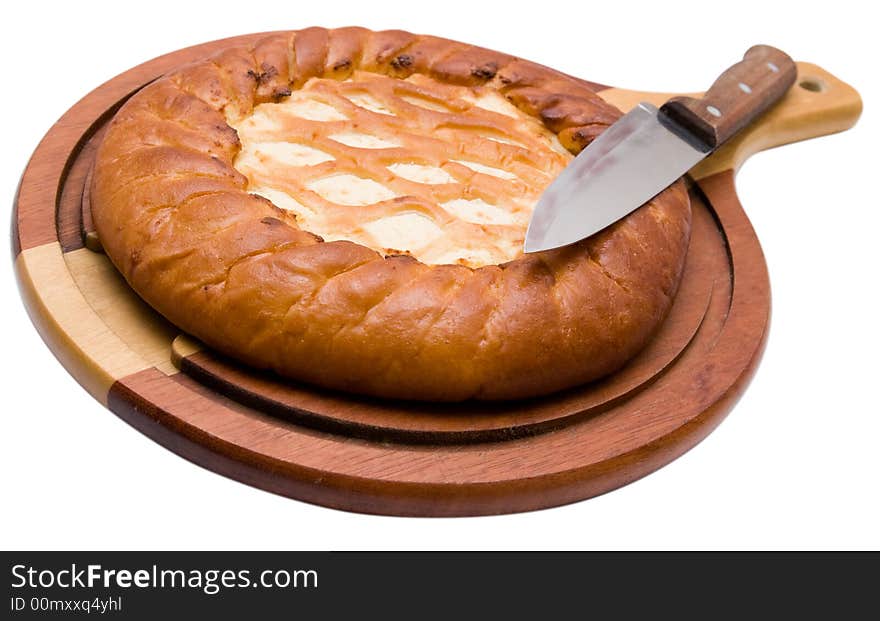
[(737, 97)]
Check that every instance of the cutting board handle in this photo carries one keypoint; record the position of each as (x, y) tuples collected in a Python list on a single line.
[(818, 104)]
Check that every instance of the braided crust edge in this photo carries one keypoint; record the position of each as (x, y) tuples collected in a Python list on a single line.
[(237, 272)]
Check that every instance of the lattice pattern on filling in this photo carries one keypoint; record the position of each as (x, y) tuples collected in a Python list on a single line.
[(449, 174)]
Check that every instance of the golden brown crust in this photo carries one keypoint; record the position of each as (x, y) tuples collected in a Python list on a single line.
[(237, 272)]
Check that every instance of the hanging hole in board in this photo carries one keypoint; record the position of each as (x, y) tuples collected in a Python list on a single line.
[(813, 85)]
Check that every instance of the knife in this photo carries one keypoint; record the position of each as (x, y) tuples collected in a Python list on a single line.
[(648, 149)]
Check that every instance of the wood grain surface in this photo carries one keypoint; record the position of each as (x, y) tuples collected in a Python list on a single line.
[(394, 457)]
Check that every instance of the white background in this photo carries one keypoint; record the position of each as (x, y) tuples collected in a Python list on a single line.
[(795, 465)]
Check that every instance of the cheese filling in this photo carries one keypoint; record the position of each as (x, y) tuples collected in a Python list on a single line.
[(448, 174)]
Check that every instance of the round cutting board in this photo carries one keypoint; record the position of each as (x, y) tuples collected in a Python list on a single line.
[(395, 457)]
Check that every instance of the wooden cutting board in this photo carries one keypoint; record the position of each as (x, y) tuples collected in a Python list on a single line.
[(402, 458)]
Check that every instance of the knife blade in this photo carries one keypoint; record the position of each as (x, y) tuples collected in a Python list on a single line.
[(648, 149)]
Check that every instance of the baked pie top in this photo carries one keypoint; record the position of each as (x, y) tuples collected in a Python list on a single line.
[(346, 208), (445, 173)]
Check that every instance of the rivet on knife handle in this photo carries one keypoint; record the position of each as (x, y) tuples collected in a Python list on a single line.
[(737, 97)]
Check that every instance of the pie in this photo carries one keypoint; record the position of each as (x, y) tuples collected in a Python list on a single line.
[(347, 208)]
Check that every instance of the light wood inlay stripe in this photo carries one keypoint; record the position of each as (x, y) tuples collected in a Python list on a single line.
[(183, 346), (87, 348), (92, 322), (141, 328)]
